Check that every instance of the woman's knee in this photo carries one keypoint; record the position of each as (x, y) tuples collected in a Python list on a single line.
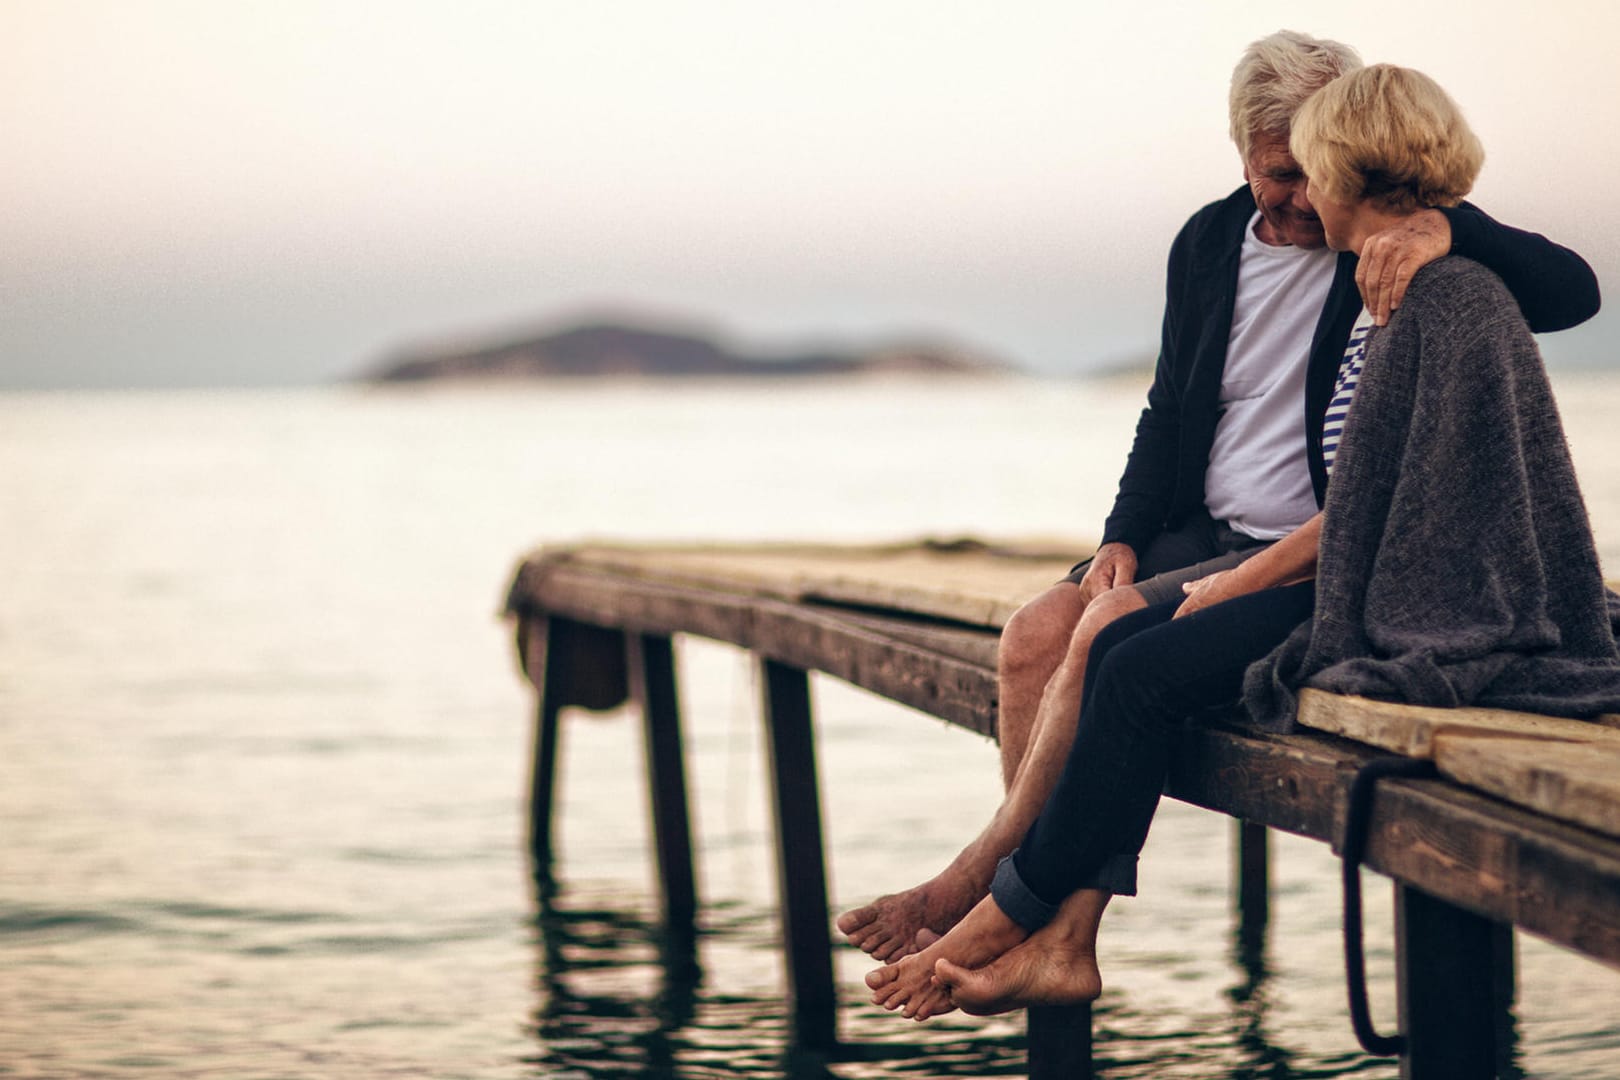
[(1103, 611), (1133, 671)]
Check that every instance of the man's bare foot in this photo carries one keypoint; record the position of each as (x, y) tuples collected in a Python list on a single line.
[(908, 984), (887, 928), (1057, 965)]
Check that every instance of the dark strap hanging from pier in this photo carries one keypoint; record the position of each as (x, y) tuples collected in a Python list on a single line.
[(1453, 966), (1358, 816)]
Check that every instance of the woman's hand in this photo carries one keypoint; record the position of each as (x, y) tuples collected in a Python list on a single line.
[(1207, 591)]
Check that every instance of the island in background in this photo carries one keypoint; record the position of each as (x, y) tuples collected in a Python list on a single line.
[(632, 347)]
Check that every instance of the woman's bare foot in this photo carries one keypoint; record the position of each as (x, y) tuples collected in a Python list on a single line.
[(908, 985), (887, 928), (1057, 965)]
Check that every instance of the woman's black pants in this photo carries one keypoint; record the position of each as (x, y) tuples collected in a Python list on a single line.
[(1147, 675)]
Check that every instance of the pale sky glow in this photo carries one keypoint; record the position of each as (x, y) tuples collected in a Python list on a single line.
[(230, 192)]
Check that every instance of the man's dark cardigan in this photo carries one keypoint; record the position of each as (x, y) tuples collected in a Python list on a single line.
[(1163, 483)]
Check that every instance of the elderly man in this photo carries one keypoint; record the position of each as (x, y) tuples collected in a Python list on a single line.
[(1227, 457)]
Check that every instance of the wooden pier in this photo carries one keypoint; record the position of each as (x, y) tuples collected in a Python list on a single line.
[(1514, 821)]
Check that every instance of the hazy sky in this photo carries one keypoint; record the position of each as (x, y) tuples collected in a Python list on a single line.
[(222, 192)]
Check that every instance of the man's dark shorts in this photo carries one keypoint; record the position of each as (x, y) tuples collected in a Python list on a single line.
[(1200, 547)]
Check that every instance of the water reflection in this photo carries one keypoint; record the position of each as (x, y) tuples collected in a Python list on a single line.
[(1259, 1056), (617, 997)]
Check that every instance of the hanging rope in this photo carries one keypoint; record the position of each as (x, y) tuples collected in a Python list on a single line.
[(1358, 816)]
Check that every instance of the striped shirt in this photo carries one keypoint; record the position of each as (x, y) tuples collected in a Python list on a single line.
[(1344, 390)]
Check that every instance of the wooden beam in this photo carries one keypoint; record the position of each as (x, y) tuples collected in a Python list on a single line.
[(1496, 860), (1415, 730), (1059, 1042), (801, 870), (812, 638), (962, 581), (1453, 994), (1252, 894), (652, 674), (535, 645)]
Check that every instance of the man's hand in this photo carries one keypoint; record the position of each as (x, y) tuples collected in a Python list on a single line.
[(1113, 565), (1390, 257)]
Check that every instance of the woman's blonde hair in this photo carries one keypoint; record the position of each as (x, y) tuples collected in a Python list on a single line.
[(1388, 134), (1274, 78)]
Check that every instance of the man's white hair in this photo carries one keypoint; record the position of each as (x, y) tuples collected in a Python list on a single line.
[(1275, 76)]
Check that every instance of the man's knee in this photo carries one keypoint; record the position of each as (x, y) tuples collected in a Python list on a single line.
[(1038, 633)]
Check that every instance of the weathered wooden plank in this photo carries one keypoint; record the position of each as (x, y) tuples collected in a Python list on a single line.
[(1555, 880), (959, 643), (1578, 782), (1412, 729), (964, 581), (960, 692), (1568, 769), (1296, 783)]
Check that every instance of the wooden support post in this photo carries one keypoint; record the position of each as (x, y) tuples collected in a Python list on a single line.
[(569, 663), (802, 870), (543, 770), (1060, 1042), (652, 679), (1252, 894), (1454, 984)]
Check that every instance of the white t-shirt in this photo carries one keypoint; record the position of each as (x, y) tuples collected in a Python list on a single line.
[(1258, 479)]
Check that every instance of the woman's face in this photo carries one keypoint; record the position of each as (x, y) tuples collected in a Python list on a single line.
[(1338, 218)]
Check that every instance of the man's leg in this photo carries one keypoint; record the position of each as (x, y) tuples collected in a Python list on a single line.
[(1040, 635), (1033, 645)]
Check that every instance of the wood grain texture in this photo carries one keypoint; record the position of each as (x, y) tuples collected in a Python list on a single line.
[(1412, 729), (965, 581), (1568, 769), (1572, 781)]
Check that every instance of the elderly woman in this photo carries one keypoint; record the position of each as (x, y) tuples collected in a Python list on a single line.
[(1452, 564)]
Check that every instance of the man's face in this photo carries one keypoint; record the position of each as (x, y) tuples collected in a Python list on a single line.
[(1278, 185)]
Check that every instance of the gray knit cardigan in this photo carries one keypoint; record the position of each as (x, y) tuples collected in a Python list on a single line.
[(1456, 564)]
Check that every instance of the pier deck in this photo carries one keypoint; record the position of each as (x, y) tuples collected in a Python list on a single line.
[(1520, 828)]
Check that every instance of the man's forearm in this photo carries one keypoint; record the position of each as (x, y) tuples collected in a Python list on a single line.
[(1554, 286)]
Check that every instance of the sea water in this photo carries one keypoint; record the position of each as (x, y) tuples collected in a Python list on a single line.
[(263, 745)]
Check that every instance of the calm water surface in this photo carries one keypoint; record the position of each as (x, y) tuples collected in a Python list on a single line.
[(263, 744)]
